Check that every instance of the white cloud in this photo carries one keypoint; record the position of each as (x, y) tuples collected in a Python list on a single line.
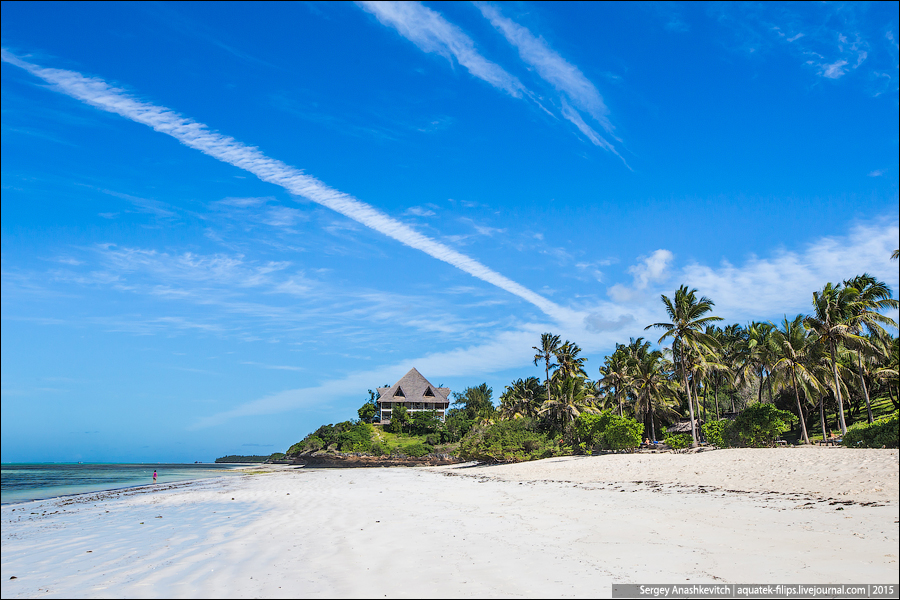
[(99, 94), (431, 32), (552, 67), (877, 173), (419, 211), (835, 70), (650, 269), (561, 74), (765, 287)]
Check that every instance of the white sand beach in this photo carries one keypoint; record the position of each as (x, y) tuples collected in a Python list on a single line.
[(559, 527)]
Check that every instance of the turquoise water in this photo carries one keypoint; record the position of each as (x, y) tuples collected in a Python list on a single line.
[(24, 482)]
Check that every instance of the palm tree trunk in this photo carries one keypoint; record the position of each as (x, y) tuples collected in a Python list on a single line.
[(759, 394), (618, 400), (687, 389), (822, 415), (799, 408), (717, 397), (837, 388), (547, 373), (862, 381), (652, 425)]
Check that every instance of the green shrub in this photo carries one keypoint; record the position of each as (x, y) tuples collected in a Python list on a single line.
[(759, 425), (622, 433), (678, 441), (356, 439), (717, 433), (607, 430), (377, 449), (417, 450), (433, 439), (883, 433), (515, 440), (276, 456)]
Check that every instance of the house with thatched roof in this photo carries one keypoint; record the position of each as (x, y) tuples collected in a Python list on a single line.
[(414, 392), (685, 426)]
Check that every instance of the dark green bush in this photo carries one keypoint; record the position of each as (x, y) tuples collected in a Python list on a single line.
[(759, 425), (883, 433), (678, 441), (356, 439), (622, 433), (417, 450), (717, 433), (608, 431), (377, 449), (515, 440)]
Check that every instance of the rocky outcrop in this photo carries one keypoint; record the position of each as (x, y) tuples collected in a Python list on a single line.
[(356, 459)]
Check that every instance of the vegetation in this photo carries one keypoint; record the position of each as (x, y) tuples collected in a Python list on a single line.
[(678, 441), (236, 458), (835, 369), (883, 433), (512, 440)]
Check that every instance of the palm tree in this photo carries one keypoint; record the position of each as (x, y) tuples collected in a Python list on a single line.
[(570, 364), (873, 296), (759, 353), (655, 391), (546, 351), (521, 399), (614, 374), (686, 314), (835, 321), (895, 254), (572, 397), (793, 348), (733, 340)]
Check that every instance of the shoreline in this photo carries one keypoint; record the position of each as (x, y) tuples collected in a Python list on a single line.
[(559, 527), (121, 488)]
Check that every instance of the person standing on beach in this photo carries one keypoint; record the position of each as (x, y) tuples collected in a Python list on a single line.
[(154, 475)]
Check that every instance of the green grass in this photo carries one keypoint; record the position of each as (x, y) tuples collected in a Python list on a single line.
[(396, 441)]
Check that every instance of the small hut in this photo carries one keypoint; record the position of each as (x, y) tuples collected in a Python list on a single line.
[(685, 426), (414, 392)]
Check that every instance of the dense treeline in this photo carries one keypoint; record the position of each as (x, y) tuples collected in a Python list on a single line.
[(763, 377), (237, 458), (731, 385)]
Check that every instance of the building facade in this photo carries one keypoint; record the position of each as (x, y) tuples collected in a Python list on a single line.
[(416, 393)]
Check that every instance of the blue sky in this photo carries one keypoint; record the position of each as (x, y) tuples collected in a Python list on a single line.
[(223, 223)]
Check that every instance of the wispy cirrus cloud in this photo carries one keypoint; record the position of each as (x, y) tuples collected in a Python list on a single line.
[(575, 89), (431, 32), (99, 94)]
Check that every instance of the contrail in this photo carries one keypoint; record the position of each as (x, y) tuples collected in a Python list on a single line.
[(98, 93)]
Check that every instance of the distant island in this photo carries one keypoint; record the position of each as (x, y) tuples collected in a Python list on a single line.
[(236, 458)]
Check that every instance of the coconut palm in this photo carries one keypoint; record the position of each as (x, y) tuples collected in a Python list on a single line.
[(758, 354), (873, 296), (655, 391), (834, 320), (570, 364), (571, 397), (614, 375), (522, 399), (546, 351), (793, 349), (686, 330)]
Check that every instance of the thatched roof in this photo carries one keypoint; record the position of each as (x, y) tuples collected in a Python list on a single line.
[(684, 426), (412, 387)]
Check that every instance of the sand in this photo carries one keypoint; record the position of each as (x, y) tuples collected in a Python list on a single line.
[(559, 527)]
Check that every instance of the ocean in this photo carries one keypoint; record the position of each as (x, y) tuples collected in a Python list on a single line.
[(25, 482)]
